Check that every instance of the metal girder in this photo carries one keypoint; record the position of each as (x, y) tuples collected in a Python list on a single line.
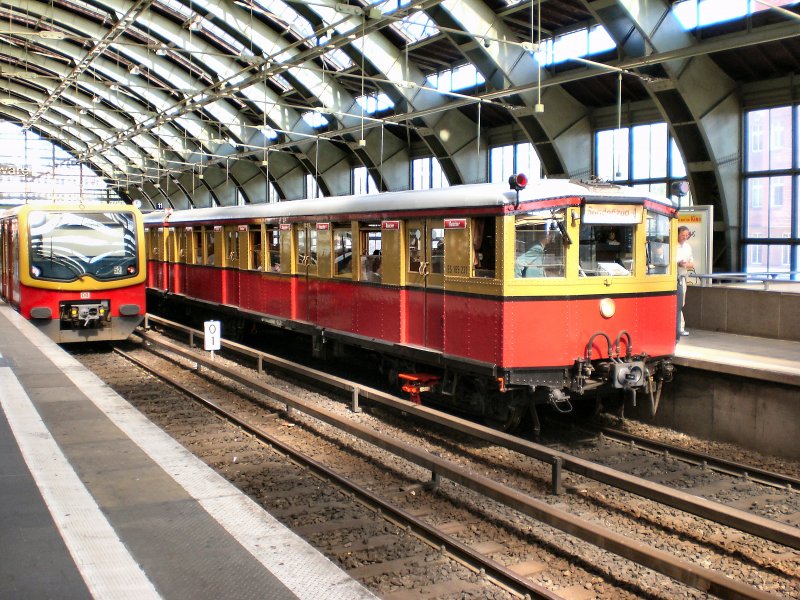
[(698, 101)]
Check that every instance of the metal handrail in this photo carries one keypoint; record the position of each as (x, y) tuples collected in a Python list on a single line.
[(765, 279)]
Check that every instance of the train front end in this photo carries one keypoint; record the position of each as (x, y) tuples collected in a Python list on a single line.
[(81, 271)]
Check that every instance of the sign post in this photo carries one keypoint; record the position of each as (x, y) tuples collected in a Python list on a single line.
[(212, 337)]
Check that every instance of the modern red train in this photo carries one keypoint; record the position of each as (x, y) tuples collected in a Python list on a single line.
[(495, 297), (76, 271)]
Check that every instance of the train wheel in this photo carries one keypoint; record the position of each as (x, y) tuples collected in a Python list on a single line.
[(500, 411)]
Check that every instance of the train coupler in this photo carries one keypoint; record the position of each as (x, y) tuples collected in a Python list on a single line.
[(416, 383)]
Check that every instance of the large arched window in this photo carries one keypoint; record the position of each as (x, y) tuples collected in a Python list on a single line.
[(771, 239), (33, 169), (643, 156)]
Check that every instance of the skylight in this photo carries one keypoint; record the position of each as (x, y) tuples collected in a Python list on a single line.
[(576, 44), (373, 103), (700, 13), (451, 80), (286, 15), (414, 27), (315, 119)]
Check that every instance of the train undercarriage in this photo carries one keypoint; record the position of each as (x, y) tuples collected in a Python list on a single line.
[(504, 399)]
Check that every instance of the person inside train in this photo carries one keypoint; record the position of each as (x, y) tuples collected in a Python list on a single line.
[(210, 257), (531, 262)]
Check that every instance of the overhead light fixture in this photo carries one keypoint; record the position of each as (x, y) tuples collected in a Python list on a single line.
[(82, 111), (134, 70), (95, 99), (161, 51)]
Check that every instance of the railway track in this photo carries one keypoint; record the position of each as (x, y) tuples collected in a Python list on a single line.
[(524, 486)]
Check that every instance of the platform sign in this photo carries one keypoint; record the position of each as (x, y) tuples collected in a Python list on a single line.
[(212, 335), (700, 221)]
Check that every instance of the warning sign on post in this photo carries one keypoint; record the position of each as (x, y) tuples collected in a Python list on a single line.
[(213, 335)]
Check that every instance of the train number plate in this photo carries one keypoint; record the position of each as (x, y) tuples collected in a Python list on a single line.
[(85, 295)]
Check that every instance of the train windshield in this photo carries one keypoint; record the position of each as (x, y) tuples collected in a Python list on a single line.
[(65, 246)]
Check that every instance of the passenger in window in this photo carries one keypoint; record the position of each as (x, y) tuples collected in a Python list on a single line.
[(210, 258), (257, 257), (531, 262)]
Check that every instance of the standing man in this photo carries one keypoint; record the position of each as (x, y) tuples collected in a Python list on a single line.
[(685, 262)]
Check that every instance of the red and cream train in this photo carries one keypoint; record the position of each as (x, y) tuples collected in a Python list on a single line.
[(76, 271), (498, 299)]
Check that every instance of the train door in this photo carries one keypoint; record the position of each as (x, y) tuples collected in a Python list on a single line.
[(4, 285), (306, 244), (425, 278), (231, 258), (171, 256)]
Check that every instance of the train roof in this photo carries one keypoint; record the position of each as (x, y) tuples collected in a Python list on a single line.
[(471, 196)]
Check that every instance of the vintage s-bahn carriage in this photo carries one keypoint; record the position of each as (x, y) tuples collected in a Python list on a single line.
[(496, 298), (76, 271)]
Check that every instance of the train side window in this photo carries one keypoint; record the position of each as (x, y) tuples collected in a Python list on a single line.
[(658, 238), (307, 246), (231, 238), (209, 246), (483, 246), (437, 250), (539, 244), (183, 244), (370, 252), (197, 246), (342, 250), (254, 244), (274, 250), (414, 249), (606, 249)]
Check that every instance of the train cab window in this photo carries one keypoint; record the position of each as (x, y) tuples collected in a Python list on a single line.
[(274, 248), (254, 244), (606, 249), (483, 246), (539, 244), (658, 233), (342, 250), (437, 250), (197, 246), (370, 252)]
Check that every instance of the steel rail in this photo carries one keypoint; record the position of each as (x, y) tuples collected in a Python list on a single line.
[(680, 570), (721, 465), (502, 574), (707, 509)]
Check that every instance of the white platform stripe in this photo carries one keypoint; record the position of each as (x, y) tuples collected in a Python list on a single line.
[(103, 561), (302, 569)]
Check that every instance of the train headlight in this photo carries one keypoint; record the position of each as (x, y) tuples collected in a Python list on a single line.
[(73, 312), (607, 308), (518, 181)]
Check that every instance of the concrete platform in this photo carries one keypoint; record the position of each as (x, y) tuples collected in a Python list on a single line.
[(732, 388), (97, 502), (743, 355)]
